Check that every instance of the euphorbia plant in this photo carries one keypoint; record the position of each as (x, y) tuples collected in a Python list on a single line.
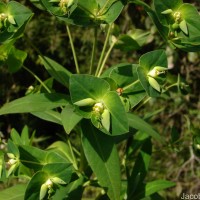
[(98, 106)]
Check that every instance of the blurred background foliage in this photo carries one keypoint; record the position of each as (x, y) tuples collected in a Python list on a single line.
[(175, 115)]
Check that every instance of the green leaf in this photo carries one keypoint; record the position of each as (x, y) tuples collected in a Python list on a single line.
[(56, 70), (131, 41), (119, 120), (152, 59), (2, 167), (163, 30), (69, 118), (15, 137), (153, 187), (102, 156), (32, 157), (60, 170), (12, 148), (20, 15), (140, 168), (142, 75), (15, 59), (35, 103), (147, 63), (49, 115), (87, 12), (139, 124), (73, 190), (161, 6), (125, 75), (126, 43), (65, 150), (33, 188), (109, 10), (87, 86), (15, 192)]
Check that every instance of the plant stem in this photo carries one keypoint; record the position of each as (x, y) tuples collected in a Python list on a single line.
[(105, 59), (104, 49), (73, 49), (130, 85), (93, 50), (144, 103), (37, 78), (72, 153)]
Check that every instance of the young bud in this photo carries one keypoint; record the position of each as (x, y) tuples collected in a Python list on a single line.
[(58, 181), (85, 102), (43, 191), (166, 12)]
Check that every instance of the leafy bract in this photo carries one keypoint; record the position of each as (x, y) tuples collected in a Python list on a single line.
[(85, 13), (86, 86), (126, 78), (18, 16), (119, 120), (150, 62), (187, 30)]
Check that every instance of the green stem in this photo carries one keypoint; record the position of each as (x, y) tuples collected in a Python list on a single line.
[(104, 49), (170, 86), (73, 49), (105, 59), (32, 45), (130, 85), (72, 153), (143, 103), (93, 50), (37, 78)]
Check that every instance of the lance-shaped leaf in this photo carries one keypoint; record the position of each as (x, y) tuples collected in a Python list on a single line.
[(56, 70), (35, 103), (102, 156), (138, 123)]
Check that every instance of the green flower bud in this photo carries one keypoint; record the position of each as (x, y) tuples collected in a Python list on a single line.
[(43, 191), (175, 26), (11, 155), (85, 102), (156, 71), (154, 84), (58, 181), (105, 119), (168, 11), (11, 19)]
